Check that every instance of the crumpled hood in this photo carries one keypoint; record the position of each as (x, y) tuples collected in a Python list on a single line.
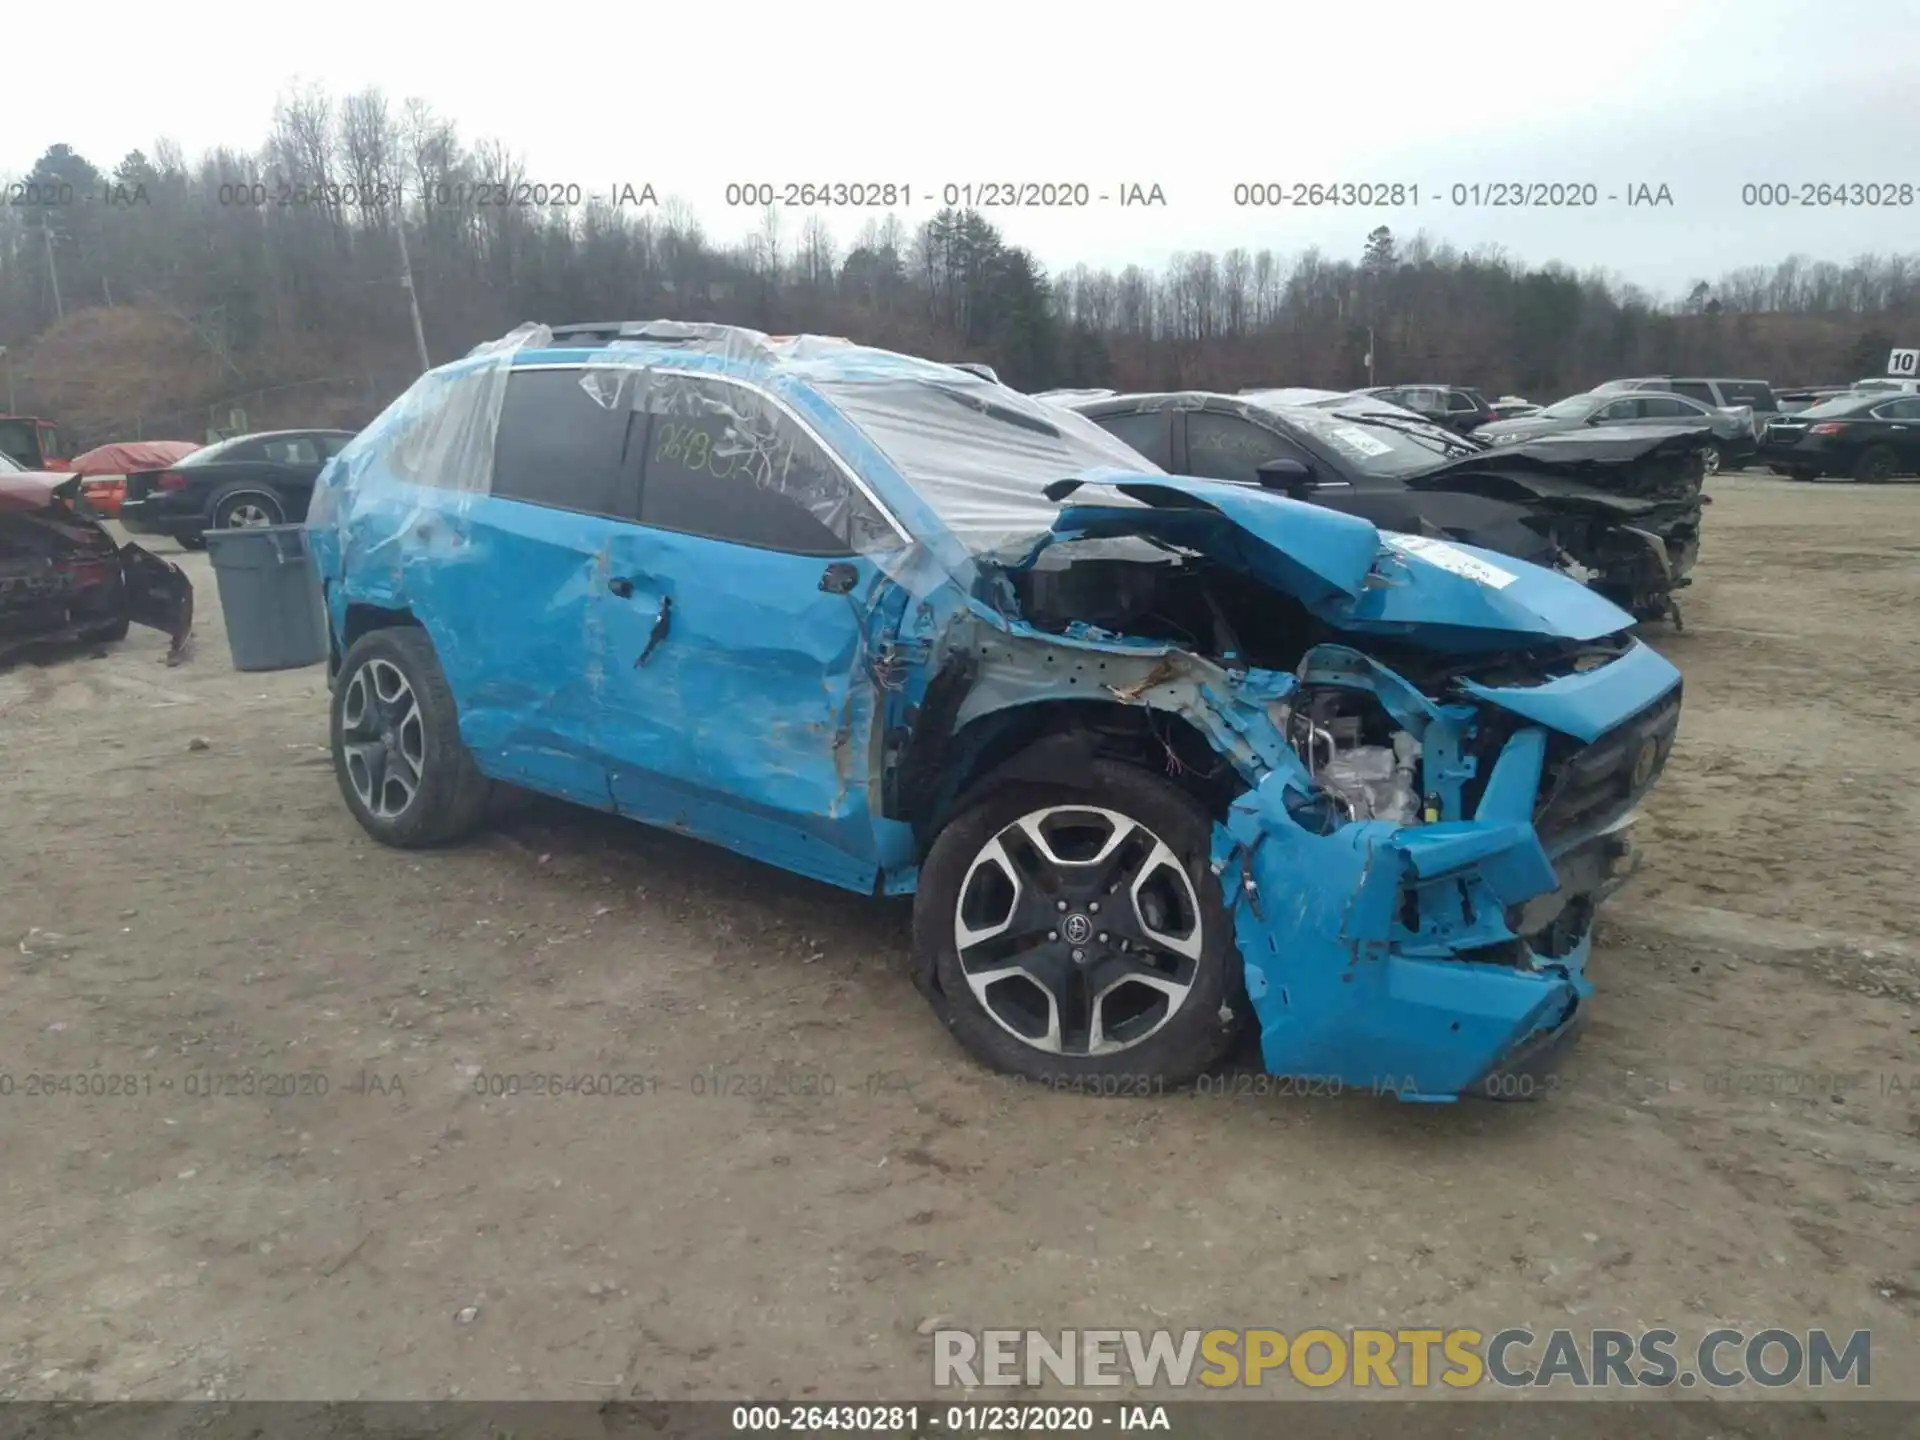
[(1605, 465), (1438, 594)]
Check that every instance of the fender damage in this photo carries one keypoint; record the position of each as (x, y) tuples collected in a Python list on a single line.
[(1432, 800)]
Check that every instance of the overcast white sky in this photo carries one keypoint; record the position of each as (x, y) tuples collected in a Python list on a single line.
[(1703, 98)]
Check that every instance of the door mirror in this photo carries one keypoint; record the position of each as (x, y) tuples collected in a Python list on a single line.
[(839, 578), (1290, 476)]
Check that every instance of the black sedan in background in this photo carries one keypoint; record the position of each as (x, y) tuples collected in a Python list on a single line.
[(264, 479), (1616, 507), (1870, 437)]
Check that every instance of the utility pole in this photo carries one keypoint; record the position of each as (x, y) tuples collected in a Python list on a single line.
[(406, 279), (53, 270), (1369, 356)]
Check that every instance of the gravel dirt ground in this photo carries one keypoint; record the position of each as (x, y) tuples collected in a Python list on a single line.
[(184, 898)]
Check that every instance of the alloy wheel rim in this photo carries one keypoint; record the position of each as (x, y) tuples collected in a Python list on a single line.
[(383, 739), (248, 515), (1079, 931)]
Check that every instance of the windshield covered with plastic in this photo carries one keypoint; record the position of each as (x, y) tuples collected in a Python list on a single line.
[(981, 455), (1383, 444)]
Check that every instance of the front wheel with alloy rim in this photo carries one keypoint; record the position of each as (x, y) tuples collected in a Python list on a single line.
[(397, 752), (1713, 459), (1079, 934)]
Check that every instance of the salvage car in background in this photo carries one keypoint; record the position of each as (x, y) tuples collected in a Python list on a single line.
[(1732, 430), (1870, 437), (63, 578), (1153, 762), (1619, 510), (105, 468), (263, 479)]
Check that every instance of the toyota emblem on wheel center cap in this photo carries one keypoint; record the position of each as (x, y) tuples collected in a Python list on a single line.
[(1078, 929)]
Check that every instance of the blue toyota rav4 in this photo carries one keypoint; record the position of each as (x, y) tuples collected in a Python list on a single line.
[(1159, 758)]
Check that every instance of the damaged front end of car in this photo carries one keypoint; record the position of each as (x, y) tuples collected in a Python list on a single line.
[(64, 579), (1621, 506), (1423, 759)]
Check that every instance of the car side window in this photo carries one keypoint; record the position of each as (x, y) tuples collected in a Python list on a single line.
[(1147, 431), (1628, 409), (1460, 403), (558, 445), (1666, 407), (1696, 390), (332, 445), (1898, 410), (727, 463), (300, 450), (1226, 447)]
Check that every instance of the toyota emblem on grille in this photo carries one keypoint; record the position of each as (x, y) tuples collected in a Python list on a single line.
[(1644, 762)]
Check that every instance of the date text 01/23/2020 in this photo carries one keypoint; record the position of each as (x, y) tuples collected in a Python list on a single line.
[(957, 1420), (951, 195), (1478, 195)]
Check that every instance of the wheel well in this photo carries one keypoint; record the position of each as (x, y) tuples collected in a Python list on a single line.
[(362, 620), (1051, 738)]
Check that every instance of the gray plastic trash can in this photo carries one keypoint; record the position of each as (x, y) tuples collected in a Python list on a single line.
[(270, 596)]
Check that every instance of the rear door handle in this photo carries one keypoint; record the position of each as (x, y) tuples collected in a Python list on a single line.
[(662, 623)]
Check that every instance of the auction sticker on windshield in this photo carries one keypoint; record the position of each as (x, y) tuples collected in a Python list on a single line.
[(1451, 559), (1359, 441)]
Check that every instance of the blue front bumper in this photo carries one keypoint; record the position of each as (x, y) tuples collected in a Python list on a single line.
[(1440, 960)]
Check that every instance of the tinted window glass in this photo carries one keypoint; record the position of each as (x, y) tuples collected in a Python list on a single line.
[(725, 463), (1748, 392), (299, 450), (1619, 410), (1225, 447), (1695, 390), (559, 446), (1899, 410), (1148, 433), (1460, 401), (18, 440), (331, 445), (1667, 407)]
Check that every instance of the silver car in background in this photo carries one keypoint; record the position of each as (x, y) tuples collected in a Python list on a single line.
[(1732, 428)]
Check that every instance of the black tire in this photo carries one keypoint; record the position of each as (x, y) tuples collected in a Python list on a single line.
[(112, 632), (1805, 474), (247, 495), (1200, 1029), (192, 540), (450, 800), (1877, 465), (1713, 458)]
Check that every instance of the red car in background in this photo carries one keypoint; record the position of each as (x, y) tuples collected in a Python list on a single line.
[(106, 467)]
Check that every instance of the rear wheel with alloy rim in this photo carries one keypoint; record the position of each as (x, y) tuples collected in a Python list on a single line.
[(1077, 934), (1876, 465), (397, 752), (246, 510)]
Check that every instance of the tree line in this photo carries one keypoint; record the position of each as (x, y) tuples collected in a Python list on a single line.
[(236, 292)]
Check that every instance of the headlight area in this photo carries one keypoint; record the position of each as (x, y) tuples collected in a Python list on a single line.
[(1372, 908)]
